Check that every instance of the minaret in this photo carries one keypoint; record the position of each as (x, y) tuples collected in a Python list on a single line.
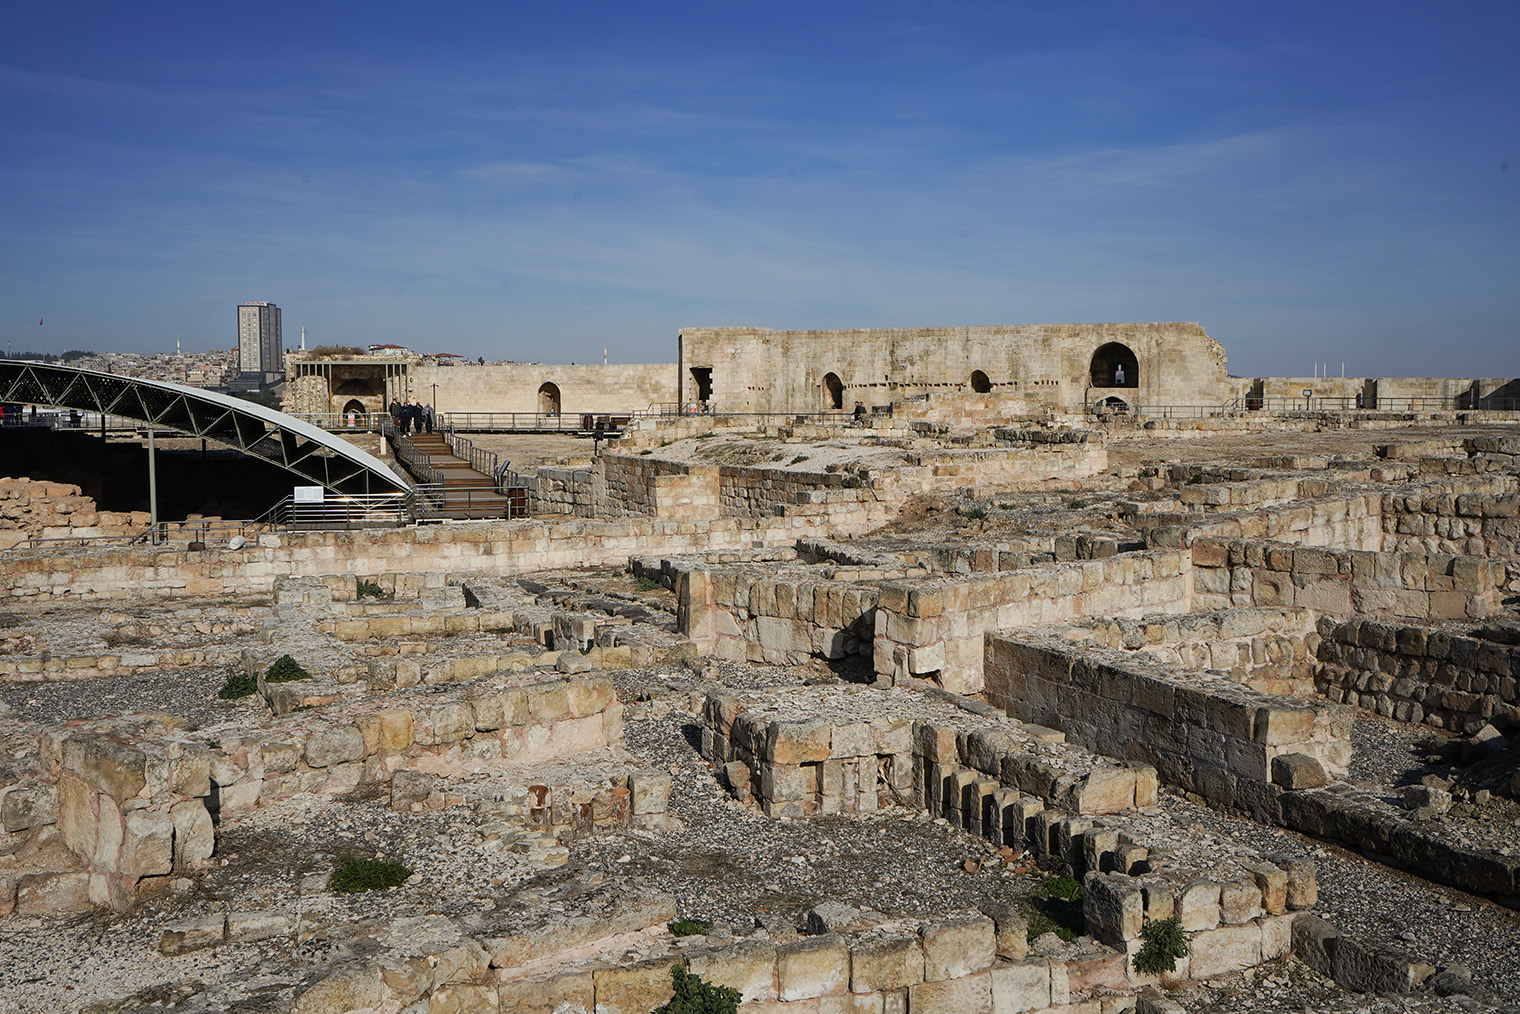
[(303, 337), (604, 355)]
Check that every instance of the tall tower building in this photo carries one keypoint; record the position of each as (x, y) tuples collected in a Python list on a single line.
[(261, 346)]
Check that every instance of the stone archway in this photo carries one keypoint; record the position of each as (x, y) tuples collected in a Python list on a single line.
[(1115, 365), (833, 391), (980, 382), (548, 399)]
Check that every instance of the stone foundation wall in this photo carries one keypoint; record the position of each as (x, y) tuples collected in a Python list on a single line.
[(1449, 679), (937, 628), (745, 615), (1200, 732), (131, 800), (507, 547), (1469, 524), (1339, 583)]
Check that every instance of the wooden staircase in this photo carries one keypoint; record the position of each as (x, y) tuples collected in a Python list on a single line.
[(467, 493)]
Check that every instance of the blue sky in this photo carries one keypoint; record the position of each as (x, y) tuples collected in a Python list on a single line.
[(1310, 181)]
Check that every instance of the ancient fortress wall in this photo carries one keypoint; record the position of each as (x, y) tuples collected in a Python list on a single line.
[(514, 387), (761, 370)]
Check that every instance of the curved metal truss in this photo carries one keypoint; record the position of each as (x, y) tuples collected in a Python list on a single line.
[(312, 453)]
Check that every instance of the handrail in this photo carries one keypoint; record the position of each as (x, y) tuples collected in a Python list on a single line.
[(418, 462)]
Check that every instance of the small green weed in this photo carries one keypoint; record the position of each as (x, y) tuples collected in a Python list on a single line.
[(976, 514), (356, 873), (695, 995), (284, 670), (239, 684), (1076, 505), (367, 589), (1164, 944), (689, 927), (1054, 906), (799, 459), (1005, 506), (642, 583), (705, 436), (1147, 473), (1196, 479)]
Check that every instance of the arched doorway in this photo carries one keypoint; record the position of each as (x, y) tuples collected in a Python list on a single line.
[(979, 382), (548, 399), (354, 411), (1112, 404), (1115, 365), (833, 391)]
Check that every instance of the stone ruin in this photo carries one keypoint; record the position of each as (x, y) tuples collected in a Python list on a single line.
[(843, 737)]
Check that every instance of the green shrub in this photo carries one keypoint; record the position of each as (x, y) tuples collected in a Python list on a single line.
[(976, 513), (356, 873), (1005, 506), (367, 589), (799, 459), (1196, 479), (239, 684), (1076, 505), (284, 670), (690, 927), (695, 995), (1164, 944), (642, 583)]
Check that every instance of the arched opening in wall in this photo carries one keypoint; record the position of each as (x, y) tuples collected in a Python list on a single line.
[(1115, 365), (701, 376), (979, 382), (833, 391), (359, 387), (548, 399), (355, 407), (1112, 404)]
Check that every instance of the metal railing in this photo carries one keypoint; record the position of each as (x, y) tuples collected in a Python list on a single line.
[(416, 461), (1414, 403), (358, 422), (517, 422), (481, 460)]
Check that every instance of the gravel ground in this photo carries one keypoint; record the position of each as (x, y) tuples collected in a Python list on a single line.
[(187, 694), (1379, 904)]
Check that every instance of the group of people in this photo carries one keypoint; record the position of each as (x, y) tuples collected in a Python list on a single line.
[(411, 417)]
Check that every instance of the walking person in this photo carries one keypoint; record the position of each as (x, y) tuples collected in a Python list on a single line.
[(427, 416)]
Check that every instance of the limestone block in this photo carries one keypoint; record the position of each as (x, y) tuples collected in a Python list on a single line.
[(1272, 883), (847, 1003), (1368, 969), (464, 998), (1276, 936), (1240, 900), (1198, 905), (815, 966), (746, 965), (280, 757), (111, 767), (571, 992), (334, 746), (1113, 906), (650, 790), (194, 836), (970, 994), (1225, 949), (77, 814), (887, 962), (1023, 986), (147, 844), (29, 806), (958, 946), (633, 989), (52, 893), (853, 740), (348, 988), (193, 934), (1010, 927), (806, 742), (1296, 771)]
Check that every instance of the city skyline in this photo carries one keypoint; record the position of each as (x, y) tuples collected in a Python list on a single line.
[(1310, 184)]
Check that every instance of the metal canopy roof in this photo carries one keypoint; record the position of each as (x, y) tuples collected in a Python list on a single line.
[(316, 455)]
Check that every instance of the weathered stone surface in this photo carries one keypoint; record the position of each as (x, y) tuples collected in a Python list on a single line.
[(29, 806), (334, 746), (193, 934), (812, 967), (569, 992), (1022, 986), (633, 989), (348, 988), (1226, 949), (1012, 929), (969, 994), (884, 962), (747, 965), (1298, 771), (958, 946)]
